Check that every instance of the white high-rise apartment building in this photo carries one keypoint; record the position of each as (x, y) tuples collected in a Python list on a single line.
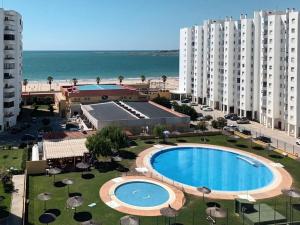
[(248, 66), (10, 67)]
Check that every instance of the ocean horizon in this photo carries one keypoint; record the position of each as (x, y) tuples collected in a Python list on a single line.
[(87, 65)]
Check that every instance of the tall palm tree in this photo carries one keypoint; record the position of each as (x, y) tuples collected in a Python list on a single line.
[(75, 81), (143, 78), (164, 79), (98, 79), (25, 82), (121, 78), (50, 80)]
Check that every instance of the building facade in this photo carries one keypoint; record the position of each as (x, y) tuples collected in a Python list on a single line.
[(11, 49), (247, 66)]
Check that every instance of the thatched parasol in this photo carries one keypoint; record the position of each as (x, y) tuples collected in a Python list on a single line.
[(129, 220), (169, 212), (44, 197), (54, 171), (75, 202), (216, 212), (90, 222), (204, 191), (68, 182)]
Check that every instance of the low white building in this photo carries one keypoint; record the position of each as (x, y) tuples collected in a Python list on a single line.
[(247, 66)]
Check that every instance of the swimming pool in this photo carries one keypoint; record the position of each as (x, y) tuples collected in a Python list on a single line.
[(218, 169), (95, 87), (142, 194)]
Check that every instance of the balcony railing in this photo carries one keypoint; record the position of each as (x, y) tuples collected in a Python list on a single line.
[(7, 77), (9, 115)]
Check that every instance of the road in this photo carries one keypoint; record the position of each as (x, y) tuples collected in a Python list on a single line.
[(280, 139)]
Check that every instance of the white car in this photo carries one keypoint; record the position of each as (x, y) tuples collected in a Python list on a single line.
[(298, 142), (208, 109), (204, 106)]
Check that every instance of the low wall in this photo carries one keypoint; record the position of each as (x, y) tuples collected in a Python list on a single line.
[(36, 167)]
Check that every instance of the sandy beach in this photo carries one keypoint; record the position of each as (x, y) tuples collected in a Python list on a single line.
[(41, 86)]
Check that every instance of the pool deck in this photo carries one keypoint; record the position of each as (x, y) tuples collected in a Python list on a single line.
[(106, 193), (283, 179)]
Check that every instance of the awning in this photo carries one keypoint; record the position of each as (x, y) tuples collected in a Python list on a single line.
[(66, 148)]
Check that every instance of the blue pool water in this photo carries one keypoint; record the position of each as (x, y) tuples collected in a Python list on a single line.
[(142, 194), (94, 87), (219, 170)]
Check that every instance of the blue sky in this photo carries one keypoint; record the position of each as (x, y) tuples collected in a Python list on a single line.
[(122, 24)]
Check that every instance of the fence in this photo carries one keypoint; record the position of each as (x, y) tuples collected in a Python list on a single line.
[(276, 143)]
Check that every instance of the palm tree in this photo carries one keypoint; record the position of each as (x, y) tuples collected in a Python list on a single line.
[(75, 81), (164, 79), (25, 82), (143, 78), (121, 78), (98, 79), (50, 80)]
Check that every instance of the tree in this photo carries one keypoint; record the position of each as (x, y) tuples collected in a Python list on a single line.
[(221, 122), (50, 80), (202, 125), (164, 79), (97, 145), (163, 101), (75, 81), (208, 117), (46, 121), (143, 78), (158, 131), (116, 135), (98, 79), (187, 110), (25, 83), (120, 78)]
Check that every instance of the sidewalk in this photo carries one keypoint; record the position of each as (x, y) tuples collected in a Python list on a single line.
[(16, 209)]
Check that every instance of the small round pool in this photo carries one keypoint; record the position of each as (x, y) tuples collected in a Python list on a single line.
[(216, 168), (142, 194)]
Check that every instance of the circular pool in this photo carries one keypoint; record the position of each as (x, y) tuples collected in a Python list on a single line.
[(216, 168), (142, 194)]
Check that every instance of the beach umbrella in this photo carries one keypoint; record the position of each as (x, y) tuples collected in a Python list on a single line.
[(82, 166), (47, 218), (90, 222), (75, 202), (67, 182), (129, 220), (204, 191), (169, 212), (44, 197), (54, 171), (216, 212)]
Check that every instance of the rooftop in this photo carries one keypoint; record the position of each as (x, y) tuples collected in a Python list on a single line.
[(108, 111)]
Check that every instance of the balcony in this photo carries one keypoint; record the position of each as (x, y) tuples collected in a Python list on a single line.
[(9, 88), (8, 76), (9, 97), (9, 115)]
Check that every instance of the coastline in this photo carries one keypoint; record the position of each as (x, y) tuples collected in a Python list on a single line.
[(155, 82)]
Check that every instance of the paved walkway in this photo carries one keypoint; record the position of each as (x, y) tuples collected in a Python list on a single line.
[(16, 209)]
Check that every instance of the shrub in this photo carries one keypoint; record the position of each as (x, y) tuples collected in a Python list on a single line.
[(208, 117), (163, 101), (187, 110)]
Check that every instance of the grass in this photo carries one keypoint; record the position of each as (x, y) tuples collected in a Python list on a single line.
[(192, 213), (8, 159)]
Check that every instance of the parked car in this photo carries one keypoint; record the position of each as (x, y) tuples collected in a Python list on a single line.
[(264, 139), (298, 142), (15, 130), (228, 116), (28, 137), (243, 120), (208, 109), (194, 104), (186, 100), (204, 106), (34, 119), (234, 117), (246, 132)]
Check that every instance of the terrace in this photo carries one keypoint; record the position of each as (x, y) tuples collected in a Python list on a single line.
[(192, 213)]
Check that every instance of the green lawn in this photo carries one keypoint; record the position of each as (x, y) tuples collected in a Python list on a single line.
[(8, 159), (191, 213)]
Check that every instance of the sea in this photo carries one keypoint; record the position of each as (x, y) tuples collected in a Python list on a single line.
[(85, 65)]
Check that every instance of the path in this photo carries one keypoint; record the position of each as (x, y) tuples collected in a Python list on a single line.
[(16, 209)]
